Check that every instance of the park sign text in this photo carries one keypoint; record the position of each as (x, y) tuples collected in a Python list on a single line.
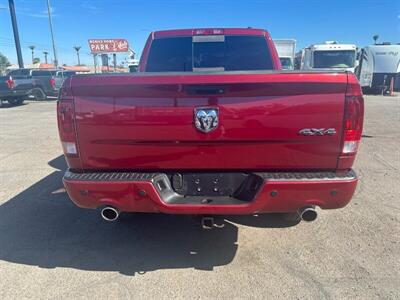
[(108, 45)]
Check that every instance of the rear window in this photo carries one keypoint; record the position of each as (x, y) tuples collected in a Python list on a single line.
[(209, 53), (19, 72), (15, 73), (334, 59), (43, 73), (65, 74)]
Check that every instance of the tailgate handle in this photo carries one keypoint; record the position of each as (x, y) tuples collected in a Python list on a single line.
[(205, 89)]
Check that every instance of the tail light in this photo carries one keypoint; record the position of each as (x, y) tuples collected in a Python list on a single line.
[(208, 31), (353, 119), (10, 83), (66, 122), (52, 83)]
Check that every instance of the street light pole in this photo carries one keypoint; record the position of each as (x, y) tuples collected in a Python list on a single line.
[(52, 34), (16, 35)]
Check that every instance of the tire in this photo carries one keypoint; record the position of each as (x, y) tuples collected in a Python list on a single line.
[(16, 101), (38, 94)]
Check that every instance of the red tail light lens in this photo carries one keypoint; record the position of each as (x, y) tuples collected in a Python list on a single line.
[(10, 83), (66, 127), (353, 119), (53, 83)]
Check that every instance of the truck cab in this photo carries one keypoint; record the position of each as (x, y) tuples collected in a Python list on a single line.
[(330, 55)]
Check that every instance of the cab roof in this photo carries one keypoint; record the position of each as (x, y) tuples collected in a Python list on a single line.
[(334, 47), (209, 31)]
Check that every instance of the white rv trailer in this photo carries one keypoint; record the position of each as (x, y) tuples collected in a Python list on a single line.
[(379, 65), (286, 51), (331, 55)]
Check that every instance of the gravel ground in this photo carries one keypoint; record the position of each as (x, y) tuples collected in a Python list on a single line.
[(51, 249)]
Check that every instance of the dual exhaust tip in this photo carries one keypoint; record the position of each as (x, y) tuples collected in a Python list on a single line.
[(110, 213), (307, 214)]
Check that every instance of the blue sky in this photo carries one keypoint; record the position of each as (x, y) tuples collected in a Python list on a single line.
[(308, 21)]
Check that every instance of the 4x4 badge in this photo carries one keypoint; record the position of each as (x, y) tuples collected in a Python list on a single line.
[(317, 131)]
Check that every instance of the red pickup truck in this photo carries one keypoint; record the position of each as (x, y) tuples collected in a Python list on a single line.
[(211, 125)]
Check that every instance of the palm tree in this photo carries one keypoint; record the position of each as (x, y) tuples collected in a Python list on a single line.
[(375, 37), (33, 52), (77, 48), (45, 56)]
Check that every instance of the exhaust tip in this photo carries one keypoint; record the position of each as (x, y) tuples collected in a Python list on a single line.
[(308, 214), (109, 213)]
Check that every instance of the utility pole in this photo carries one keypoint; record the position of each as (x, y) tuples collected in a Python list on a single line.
[(115, 62), (52, 34), (95, 62), (16, 35), (45, 56)]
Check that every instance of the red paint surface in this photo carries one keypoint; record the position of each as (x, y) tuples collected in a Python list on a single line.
[(146, 121)]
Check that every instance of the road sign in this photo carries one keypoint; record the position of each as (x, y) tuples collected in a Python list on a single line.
[(108, 45)]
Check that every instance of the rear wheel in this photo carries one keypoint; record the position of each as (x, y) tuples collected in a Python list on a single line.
[(15, 101), (38, 94)]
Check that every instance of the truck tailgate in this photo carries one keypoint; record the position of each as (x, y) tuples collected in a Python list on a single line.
[(146, 121)]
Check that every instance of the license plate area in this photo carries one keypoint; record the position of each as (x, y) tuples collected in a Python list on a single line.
[(207, 184), (208, 188)]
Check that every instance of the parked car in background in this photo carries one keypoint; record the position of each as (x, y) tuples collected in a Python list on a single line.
[(40, 82), (211, 125), (14, 91), (379, 68), (286, 51), (60, 77)]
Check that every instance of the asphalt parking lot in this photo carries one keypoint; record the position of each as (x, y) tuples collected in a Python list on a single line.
[(51, 249)]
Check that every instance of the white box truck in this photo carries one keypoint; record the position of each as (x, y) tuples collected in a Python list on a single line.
[(286, 51), (331, 55)]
